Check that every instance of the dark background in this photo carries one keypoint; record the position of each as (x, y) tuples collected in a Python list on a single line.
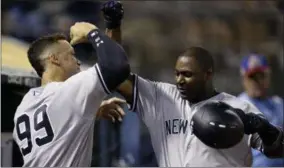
[(154, 34)]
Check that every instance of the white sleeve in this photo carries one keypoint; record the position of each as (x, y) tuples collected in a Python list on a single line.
[(145, 97), (84, 91)]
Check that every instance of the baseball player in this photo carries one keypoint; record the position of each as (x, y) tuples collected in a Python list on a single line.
[(54, 122), (167, 109)]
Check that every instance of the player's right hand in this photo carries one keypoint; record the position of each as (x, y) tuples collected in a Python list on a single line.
[(79, 32), (113, 13), (111, 109)]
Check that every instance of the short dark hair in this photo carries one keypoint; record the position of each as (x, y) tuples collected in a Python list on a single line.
[(203, 57), (37, 48)]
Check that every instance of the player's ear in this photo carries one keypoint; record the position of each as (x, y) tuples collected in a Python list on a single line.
[(209, 74), (54, 59)]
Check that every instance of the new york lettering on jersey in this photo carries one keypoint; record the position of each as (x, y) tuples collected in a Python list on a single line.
[(168, 124), (176, 126)]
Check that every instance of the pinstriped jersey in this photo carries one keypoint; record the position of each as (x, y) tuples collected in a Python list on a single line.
[(54, 123), (168, 116)]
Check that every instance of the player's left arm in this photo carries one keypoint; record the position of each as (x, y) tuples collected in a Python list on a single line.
[(263, 136), (114, 34), (88, 88), (112, 64), (113, 14)]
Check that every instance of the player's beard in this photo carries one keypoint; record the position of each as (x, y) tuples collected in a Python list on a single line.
[(193, 94), (183, 93)]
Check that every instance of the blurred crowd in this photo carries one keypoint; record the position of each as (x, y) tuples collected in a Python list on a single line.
[(156, 32)]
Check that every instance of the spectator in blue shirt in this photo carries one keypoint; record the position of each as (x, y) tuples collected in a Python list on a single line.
[(255, 73)]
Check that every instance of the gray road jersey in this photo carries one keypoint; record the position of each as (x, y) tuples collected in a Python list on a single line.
[(54, 124), (168, 116)]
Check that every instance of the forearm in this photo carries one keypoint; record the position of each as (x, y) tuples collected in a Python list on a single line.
[(125, 88), (267, 138), (112, 59), (264, 136), (114, 34), (113, 14), (272, 139)]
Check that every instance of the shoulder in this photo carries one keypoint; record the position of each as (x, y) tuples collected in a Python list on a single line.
[(163, 86), (27, 101), (86, 74), (277, 99), (239, 103), (39, 93), (31, 95), (51, 89), (159, 88), (167, 89), (243, 96)]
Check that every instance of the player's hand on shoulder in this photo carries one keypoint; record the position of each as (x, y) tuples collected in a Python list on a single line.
[(113, 13), (79, 32), (111, 109)]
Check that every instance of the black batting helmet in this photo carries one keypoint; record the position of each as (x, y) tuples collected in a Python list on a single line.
[(217, 125)]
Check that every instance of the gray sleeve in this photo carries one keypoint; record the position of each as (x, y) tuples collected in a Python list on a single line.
[(145, 97)]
